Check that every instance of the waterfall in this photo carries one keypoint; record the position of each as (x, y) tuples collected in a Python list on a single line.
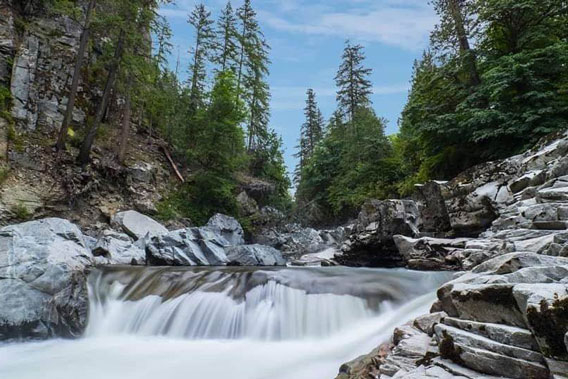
[(247, 323)]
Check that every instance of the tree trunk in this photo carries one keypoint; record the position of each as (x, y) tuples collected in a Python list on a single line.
[(85, 152), (125, 129), (75, 82), (465, 48), (241, 61)]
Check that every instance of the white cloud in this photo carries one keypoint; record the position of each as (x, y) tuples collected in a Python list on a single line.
[(405, 24)]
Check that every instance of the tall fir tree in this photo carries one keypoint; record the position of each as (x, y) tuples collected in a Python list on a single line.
[(200, 19), (310, 134), (252, 85), (352, 80), (227, 40)]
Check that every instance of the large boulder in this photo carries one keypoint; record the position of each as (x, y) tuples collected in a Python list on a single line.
[(435, 218), (228, 227), (119, 248), (188, 247), (137, 225), (43, 291), (371, 241), (255, 255)]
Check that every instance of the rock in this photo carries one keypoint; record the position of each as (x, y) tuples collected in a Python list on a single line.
[(545, 306), (295, 241), (141, 172), (434, 214), (504, 334), (137, 225), (247, 205), (118, 248), (228, 227), (254, 255), (371, 242), (426, 323), (43, 291), (187, 247)]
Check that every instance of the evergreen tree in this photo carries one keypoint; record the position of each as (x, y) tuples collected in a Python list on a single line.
[(227, 45), (252, 73), (352, 80), (310, 133), (457, 25), (200, 19)]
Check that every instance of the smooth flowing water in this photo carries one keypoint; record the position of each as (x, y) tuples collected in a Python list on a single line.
[(238, 323)]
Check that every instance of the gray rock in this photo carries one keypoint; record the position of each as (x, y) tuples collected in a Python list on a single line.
[(371, 241), (141, 172), (137, 225), (464, 338), (178, 248), (504, 334), (43, 288), (228, 227), (427, 322), (255, 255), (247, 205), (118, 248)]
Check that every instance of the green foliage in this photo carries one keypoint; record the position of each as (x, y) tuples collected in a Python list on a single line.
[(4, 174), (347, 168), (451, 123), (21, 212)]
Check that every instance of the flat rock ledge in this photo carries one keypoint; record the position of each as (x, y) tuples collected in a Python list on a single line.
[(507, 318)]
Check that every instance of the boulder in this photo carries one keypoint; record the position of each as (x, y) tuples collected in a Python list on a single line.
[(254, 255), (43, 291), (371, 241), (434, 214), (137, 225), (228, 227), (247, 205), (119, 248), (187, 247)]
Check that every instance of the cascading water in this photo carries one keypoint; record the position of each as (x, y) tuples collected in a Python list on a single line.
[(227, 322)]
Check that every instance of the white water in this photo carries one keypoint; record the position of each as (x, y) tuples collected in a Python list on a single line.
[(293, 323)]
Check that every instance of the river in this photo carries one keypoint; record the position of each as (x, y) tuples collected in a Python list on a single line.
[(237, 323)]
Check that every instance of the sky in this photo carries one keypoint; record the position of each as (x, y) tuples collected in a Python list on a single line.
[(307, 39)]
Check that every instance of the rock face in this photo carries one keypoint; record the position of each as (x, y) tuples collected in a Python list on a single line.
[(137, 225), (43, 290), (371, 241)]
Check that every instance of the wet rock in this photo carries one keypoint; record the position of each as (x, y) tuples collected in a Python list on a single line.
[(254, 255), (43, 290), (137, 225)]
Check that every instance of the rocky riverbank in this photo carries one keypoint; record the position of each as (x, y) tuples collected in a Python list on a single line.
[(503, 226), (44, 264)]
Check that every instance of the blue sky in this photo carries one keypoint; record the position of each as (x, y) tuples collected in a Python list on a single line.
[(307, 38)]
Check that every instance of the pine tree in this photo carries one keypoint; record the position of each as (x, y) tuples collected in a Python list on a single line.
[(311, 133), (227, 45), (252, 73), (457, 26), (353, 82), (200, 19), (76, 75)]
